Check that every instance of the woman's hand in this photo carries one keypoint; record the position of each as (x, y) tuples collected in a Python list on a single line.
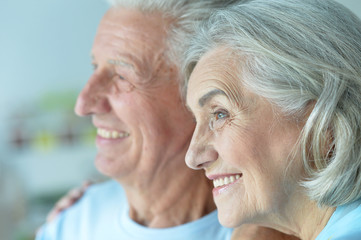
[(68, 200)]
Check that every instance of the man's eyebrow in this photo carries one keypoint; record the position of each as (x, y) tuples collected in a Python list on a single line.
[(120, 63), (208, 96), (115, 62)]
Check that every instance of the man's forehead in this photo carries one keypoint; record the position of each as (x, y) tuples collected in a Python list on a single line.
[(136, 35), (150, 25)]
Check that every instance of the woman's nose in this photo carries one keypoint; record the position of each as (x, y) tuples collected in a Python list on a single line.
[(201, 152)]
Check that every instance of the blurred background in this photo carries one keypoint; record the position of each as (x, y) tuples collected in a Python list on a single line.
[(45, 150)]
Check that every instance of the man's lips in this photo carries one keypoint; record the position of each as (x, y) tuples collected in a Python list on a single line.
[(111, 134)]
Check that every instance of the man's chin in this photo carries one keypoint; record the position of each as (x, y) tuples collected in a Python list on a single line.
[(105, 165)]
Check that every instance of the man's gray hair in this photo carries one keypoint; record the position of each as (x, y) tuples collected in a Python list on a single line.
[(301, 55), (184, 15)]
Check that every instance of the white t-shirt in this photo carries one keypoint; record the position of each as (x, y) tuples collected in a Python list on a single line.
[(102, 214)]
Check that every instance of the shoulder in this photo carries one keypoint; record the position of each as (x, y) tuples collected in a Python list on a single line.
[(349, 227), (101, 190), (205, 228), (98, 206), (344, 224), (98, 198), (351, 234)]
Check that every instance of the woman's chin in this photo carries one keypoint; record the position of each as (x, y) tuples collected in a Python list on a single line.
[(227, 220)]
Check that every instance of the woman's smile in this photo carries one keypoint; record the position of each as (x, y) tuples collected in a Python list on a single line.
[(221, 182)]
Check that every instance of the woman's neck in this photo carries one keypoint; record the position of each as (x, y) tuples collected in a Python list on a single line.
[(313, 220), (303, 218)]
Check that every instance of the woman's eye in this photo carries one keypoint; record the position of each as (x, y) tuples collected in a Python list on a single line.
[(217, 119), (219, 115)]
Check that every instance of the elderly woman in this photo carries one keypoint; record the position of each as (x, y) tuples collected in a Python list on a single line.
[(275, 89)]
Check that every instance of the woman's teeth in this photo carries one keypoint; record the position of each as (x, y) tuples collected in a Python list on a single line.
[(111, 134), (226, 180)]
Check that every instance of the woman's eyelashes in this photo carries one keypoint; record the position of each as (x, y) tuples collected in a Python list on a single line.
[(218, 118)]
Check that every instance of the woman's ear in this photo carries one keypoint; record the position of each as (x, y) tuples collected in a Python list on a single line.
[(328, 147)]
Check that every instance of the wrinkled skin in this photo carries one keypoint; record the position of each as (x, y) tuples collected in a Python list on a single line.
[(134, 91), (249, 148)]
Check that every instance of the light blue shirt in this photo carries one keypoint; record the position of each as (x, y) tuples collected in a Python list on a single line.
[(344, 224), (102, 214)]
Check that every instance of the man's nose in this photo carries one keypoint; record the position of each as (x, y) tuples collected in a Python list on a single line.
[(201, 152), (93, 99)]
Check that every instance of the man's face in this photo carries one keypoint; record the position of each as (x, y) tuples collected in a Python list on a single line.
[(133, 97)]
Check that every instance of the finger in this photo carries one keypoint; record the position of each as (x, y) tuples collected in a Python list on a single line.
[(68, 200), (74, 194), (63, 203), (86, 184), (52, 215)]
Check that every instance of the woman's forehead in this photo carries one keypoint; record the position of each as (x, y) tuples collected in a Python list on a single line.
[(217, 69)]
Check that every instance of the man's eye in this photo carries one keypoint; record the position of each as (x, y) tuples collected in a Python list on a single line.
[(120, 77), (117, 77)]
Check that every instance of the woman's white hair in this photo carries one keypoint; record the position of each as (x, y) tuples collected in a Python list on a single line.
[(299, 54), (184, 16)]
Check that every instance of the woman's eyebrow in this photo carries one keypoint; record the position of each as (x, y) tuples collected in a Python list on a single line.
[(208, 96)]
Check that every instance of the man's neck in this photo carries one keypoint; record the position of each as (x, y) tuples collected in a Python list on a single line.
[(166, 202)]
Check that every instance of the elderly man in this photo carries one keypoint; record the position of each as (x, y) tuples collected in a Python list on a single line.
[(144, 130)]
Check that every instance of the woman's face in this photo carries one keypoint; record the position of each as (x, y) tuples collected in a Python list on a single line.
[(243, 143)]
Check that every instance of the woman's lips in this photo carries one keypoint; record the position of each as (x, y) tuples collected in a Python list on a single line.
[(222, 182)]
